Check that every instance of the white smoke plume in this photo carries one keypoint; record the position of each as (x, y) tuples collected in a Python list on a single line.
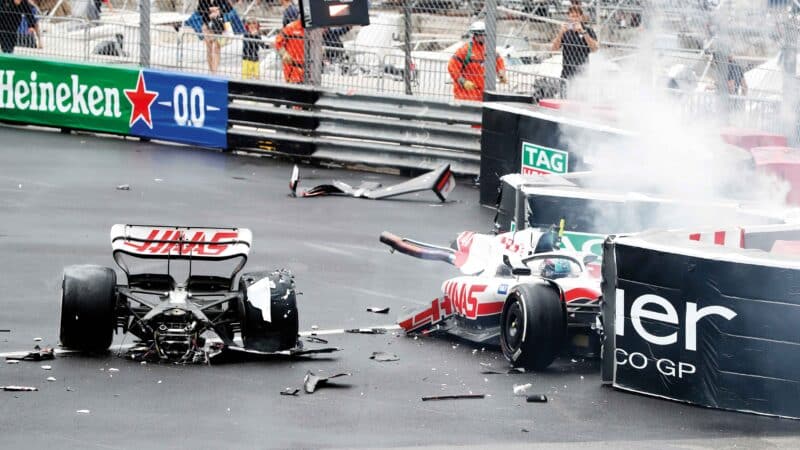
[(674, 149)]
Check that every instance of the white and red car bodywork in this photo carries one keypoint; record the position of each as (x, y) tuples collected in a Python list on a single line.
[(470, 305)]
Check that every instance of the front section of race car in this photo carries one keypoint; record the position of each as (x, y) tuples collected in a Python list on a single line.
[(518, 291), (174, 320)]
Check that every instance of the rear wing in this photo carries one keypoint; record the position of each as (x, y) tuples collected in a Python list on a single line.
[(176, 242)]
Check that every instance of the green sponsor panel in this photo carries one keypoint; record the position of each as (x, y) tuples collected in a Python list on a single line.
[(540, 159), (65, 95), (583, 242)]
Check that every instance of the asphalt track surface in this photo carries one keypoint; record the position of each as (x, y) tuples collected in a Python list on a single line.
[(58, 200)]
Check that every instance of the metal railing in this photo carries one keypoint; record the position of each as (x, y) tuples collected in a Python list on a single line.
[(694, 45)]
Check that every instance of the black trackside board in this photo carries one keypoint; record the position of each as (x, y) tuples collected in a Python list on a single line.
[(703, 330)]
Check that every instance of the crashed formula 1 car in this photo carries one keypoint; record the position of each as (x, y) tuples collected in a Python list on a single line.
[(518, 290), (173, 319), (441, 181)]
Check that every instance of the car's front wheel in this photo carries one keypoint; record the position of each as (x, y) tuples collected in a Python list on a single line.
[(533, 325)]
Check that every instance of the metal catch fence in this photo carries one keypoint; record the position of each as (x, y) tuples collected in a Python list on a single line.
[(731, 48)]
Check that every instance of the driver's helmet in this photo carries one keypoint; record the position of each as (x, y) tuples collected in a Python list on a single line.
[(555, 268)]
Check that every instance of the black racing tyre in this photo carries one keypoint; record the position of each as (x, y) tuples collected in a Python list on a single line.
[(280, 333), (88, 307), (533, 325)]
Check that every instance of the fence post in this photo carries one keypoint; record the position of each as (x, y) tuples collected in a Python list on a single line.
[(490, 74), (144, 33), (789, 81), (407, 5), (313, 56)]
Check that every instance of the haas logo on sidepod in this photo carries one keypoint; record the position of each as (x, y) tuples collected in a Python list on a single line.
[(463, 297)]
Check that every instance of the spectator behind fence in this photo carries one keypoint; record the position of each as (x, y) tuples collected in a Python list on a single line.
[(25, 38), (290, 45), (737, 85), (11, 14), (213, 13), (466, 67), (290, 12), (251, 68), (575, 41)]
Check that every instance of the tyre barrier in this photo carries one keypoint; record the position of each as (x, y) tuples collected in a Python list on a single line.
[(704, 323)]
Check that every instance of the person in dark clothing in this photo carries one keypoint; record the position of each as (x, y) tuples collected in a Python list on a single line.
[(11, 14), (575, 42), (290, 12), (24, 37), (213, 14), (737, 85), (332, 42), (250, 47)]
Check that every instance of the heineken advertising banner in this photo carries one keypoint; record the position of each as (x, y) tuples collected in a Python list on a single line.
[(160, 105)]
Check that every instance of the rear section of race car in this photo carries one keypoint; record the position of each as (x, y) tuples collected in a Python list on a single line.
[(173, 319)]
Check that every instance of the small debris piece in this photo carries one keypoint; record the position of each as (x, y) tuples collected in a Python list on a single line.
[(378, 310), (124, 187), (384, 357), (5, 330), (83, 411), (311, 382), (452, 397), (316, 340), (113, 369), (38, 354), (69, 389), (315, 327), (366, 330), (47, 367), (19, 388), (536, 398), (12, 361), (512, 371), (290, 391), (525, 431), (51, 378), (520, 389), (37, 339)]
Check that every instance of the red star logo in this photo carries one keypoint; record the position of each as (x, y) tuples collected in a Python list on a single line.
[(141, 99)]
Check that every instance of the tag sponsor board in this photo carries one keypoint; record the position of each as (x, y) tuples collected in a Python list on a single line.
[(540, 159)]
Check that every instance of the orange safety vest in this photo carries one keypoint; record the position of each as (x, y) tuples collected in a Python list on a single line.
[(467, 63), (291, 37)]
